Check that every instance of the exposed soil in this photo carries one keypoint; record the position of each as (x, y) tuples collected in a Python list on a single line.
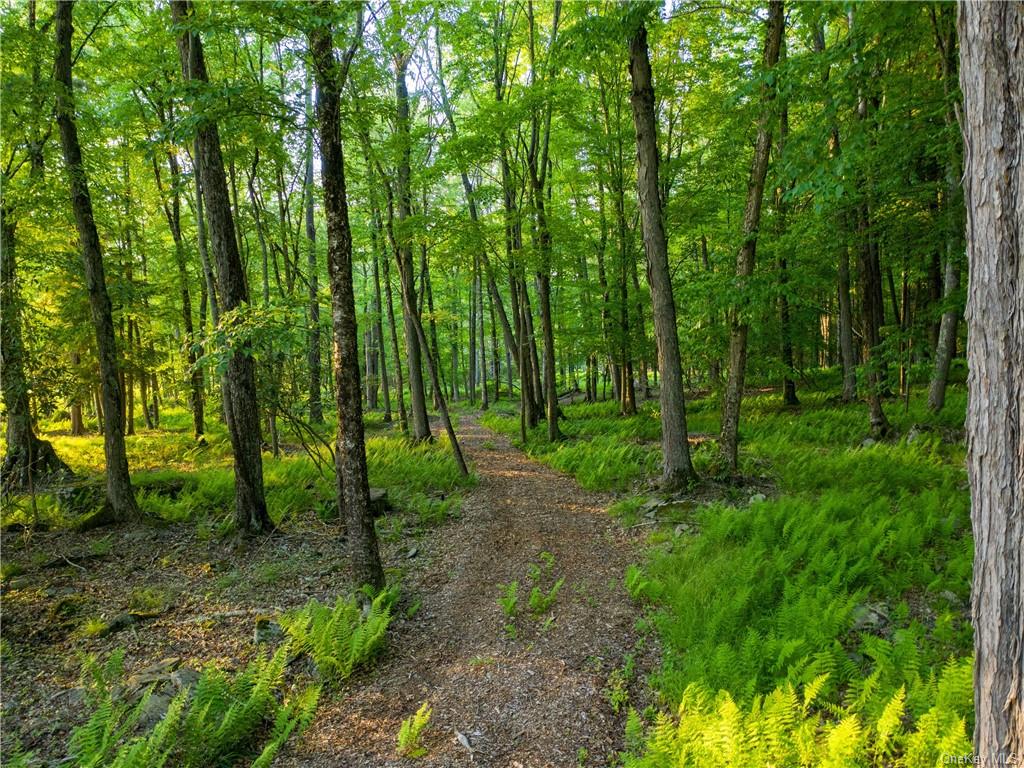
[(532, 696), (533, 700)]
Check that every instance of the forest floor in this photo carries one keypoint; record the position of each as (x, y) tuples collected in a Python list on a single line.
[(525, 691), (538, 688)]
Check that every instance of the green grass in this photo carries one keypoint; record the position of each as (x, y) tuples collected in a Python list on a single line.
[(178, 481)]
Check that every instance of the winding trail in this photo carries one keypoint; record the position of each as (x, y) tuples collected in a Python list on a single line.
[(529, 701)]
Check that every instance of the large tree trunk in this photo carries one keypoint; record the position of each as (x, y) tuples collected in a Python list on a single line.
[(120, 495), (739, 325), (417, 393), (316, 413), (350, 452), (240, 379), (677, 470), (29, 462), (992, 81)]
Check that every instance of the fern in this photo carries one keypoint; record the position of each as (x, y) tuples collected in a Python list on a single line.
[(509, 601), (541, 601), (410, 734), (339, 639), (296, 715)]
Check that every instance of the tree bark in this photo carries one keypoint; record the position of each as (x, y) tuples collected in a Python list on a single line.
[(739, 326), (992, 81), (120, 496), (350, 452), (29, 462), (677, 469), (240, 379)]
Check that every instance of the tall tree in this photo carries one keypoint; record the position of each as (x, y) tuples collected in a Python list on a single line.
[(239, 386), (350, 449), (740, 325), (992, 80), (316, 413), (538, 163), (414, 350), (677, 470), (29, 460), (953, 209), (120, 496)]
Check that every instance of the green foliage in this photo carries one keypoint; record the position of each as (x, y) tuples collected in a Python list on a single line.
[(509, 601), (228, 716), (541, 601), (341, 638), (410, 734), (616, 689), (218, 722), (784, 727), (849, 586)]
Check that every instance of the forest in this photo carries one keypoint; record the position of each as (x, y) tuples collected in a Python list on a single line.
[(512, 382)]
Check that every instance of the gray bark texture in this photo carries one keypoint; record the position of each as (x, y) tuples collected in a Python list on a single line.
[(120, 496), (677, 470), (350, 449), (992, 81), (239, 388)]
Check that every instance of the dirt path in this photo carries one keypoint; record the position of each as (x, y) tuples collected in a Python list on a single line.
[(532, 700)]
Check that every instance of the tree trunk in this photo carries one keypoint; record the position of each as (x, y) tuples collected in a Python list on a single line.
[(29, 461), (945, 346), (350, 452), (120, 496), (240, 379), (739, 325), (992, 81), (316, 412), (845, 319), (677, 470), (789, 397), (417, 393)]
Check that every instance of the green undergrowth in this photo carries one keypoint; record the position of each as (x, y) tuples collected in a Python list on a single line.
[(823, 625), (228, 717), (178, 480), (826, 625)]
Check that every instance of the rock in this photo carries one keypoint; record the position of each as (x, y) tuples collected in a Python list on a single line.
[(379, 504), (951, 597), (755, 498), (186, 677), (685, 529), (413, 551), (266, 630), (18, 583), (155, 674), (867, 442), (870, 617), (154, 710), (125, 620)]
